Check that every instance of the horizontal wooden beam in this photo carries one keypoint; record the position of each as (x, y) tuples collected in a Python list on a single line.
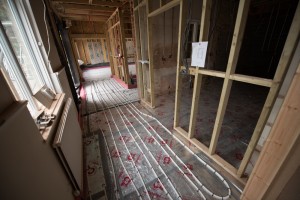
[(87, 12), (77, 17), (236, 77), (182, 132), (84, 18), (193, 71), (113, 14), (252, 80), (143, 3), (220, 161), (87, 7), (113, 26), (164, 8), (87, 36), (211, 73), (94, 2)]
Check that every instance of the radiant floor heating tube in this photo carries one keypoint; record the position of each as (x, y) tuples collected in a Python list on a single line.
[(181, 171), (87, 182), (198, 158), (166, 192), (116, 147), (196, 178), (203, 162), (132, 162), (111, 162), (150, 153)]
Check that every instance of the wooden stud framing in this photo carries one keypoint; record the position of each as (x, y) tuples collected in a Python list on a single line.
[(138, 53), (231, 65), (150, 54), (252, 80), (80, 17), (114, 64), (117, 44), (285, 59), (86, 12), (103, 45), (110, 52), (182, 19), (113, 26), (164, 8), (87, 54), (123, 44), (79, 71), (229, 76), (75, 49), (87, 36), (279, 158), (144, 51), (145, 56), (204, 30), (80, 50), (94, 3), (140, 5), (68, 6)]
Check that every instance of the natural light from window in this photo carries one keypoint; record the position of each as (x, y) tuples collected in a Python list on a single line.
[(15, 37)]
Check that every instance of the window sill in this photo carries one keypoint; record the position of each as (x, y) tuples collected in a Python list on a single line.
[(55, 109)]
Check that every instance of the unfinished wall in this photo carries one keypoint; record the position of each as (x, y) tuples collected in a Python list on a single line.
[(165, 42), (165, 45), (279, 100), (30, 168), (222, 21), (89, 42), (130, 49)]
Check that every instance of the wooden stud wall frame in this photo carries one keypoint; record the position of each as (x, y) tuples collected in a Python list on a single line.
[(116, 37), (281, 154), (139, 53), (144, 50), (182, 19), (229, 76), (83, 32), (144, 68)]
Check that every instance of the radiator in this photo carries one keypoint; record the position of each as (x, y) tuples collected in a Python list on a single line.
[(68, 144)]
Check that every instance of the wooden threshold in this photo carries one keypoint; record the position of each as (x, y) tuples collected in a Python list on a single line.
[(216, 158)]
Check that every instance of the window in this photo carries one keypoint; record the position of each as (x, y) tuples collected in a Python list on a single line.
[(19, 52)]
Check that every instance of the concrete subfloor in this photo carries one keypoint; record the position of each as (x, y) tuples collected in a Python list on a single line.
[(118, 137)]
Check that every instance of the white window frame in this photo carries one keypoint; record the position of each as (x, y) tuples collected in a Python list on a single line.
[(16, 68), (27, 25), (23, 16)]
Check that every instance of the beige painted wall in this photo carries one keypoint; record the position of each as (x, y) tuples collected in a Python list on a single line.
[(38, 12), (29, 166)]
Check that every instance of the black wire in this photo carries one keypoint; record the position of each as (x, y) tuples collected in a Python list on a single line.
[(216, 16), (186, 34)]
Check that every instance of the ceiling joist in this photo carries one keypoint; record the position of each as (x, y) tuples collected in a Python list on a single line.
[(77, 17), (86, 10), (87, 7), (87, 2)]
